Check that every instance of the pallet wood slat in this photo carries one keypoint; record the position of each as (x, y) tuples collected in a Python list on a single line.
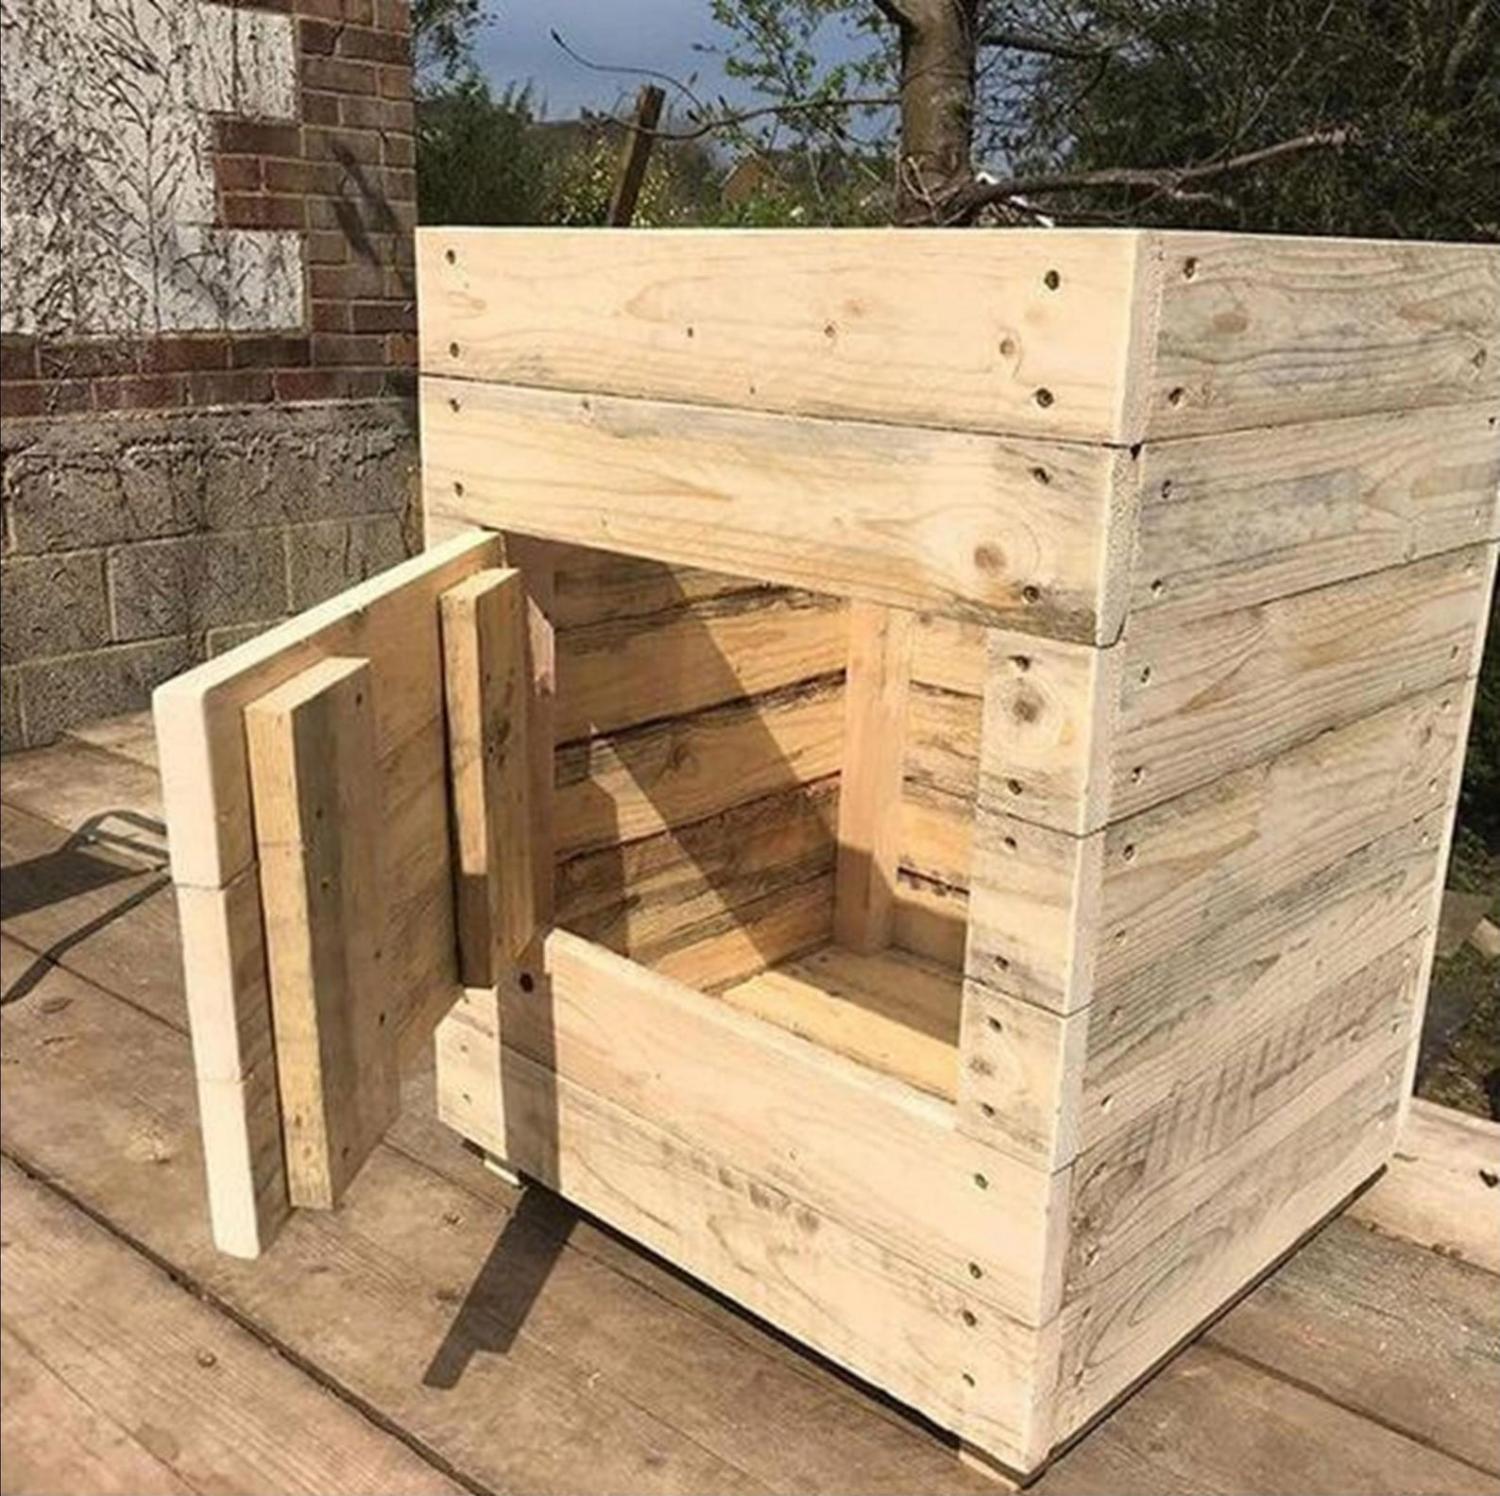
[(487, 688), (875, 695), (995, 706), (311, 744)]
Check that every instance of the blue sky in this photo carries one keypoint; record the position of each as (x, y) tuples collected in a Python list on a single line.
[(516, 46)]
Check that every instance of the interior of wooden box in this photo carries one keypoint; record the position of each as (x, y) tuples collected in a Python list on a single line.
[(700, 739)]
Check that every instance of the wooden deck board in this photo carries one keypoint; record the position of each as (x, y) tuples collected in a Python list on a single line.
[(201, 1399), (578, 1363)]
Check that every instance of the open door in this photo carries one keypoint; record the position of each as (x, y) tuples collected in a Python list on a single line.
[(347, 801)]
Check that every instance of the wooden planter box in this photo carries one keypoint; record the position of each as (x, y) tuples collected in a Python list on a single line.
[(934, 789)]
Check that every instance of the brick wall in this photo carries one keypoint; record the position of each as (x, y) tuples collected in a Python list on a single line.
[(206, 374)]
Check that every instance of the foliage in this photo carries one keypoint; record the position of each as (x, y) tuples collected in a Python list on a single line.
[(1181, 81), (1479, 809), (478, 157), (443, 33)]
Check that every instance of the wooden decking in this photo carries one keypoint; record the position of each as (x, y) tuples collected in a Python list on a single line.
[(443, 1332)]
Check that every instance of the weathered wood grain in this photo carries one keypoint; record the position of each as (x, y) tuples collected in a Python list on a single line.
[(1438, 1191), (877, 1153), (1234, 520), (1258, 330), (647, 779), (1006, 532), (913, 327), (311, 745), (892, 1012), (876, 688), (196, 1401), (747, 1234), (618, 673), (487, 687)]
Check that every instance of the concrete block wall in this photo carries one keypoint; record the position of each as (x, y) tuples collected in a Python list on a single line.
[(206, 381)]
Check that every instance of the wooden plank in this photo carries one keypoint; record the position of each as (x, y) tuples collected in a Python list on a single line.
[(55, 1440), (650, 897), (1085, 737), (621, 672), (1004, 531), (924, 1340), (892, 1012), (931, 919), (595, 587), (937, 836), (1438, 1190), (99, 1099), (636, 155), (311, 745), (487, 688), (1234, 520), (365, 1296), (645, 780), (1402, 1335), (875, 696), (1145, 1273), (179, 1396), (782, 924), (1258, 330), (917, 326), (1217, 1101), (863, 1146), (1209, 1422), (391, 620), (1059, 919)]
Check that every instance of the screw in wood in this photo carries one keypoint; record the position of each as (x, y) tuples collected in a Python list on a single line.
[(1052, 280), (1043, 398)]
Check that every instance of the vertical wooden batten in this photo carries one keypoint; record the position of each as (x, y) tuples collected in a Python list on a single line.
[(486, 690), (879, 676), (316, 798)]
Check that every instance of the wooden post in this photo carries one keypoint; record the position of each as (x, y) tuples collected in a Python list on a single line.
[(636, 155)]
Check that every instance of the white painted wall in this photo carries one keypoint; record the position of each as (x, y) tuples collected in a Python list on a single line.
[(106, 173)]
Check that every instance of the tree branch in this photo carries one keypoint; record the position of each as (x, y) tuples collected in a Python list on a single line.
[(1169, 180), (1045, 46)]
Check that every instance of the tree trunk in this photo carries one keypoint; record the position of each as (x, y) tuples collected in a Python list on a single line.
[(938, 50)]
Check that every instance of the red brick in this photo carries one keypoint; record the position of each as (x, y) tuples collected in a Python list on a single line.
[(400, 186), (263, 212), (363, 281), (401, 349), (271, 351), (327, 10), (17, 357), (330, 316), (290, 176), (373, 46), (383, 316), (238, 173), (316, 38), (347, 348), (393, 15), (343, 145), (338, 76), (88, 359), (400, 114), (327, 384), (243, 387), (327, 247), (359, 12), (400, 150), (22, 397), (401, 382), (320, 108), (139, 392), (281, 5), (184, 354), (247, 137), (395, 83)]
